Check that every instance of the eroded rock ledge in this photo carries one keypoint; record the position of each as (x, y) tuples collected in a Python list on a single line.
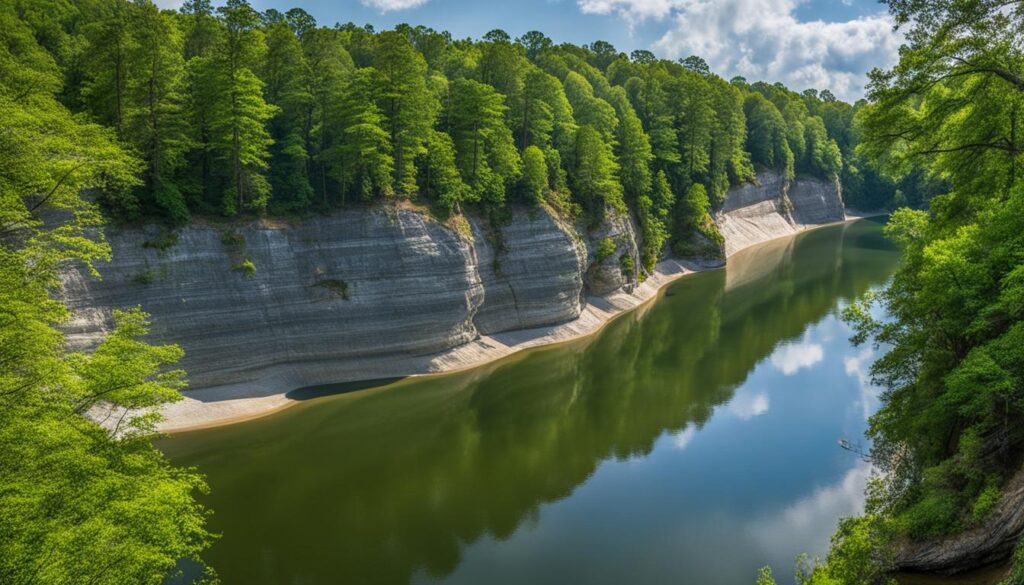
[(990, 543), (378, 293)]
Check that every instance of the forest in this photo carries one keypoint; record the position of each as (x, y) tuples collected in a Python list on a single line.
[(230, 111)]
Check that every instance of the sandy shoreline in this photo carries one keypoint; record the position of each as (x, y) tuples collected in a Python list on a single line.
[(206, 408)]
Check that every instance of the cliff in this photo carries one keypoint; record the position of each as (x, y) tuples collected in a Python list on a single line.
[(991, 542), (772, 207), (265, 308)]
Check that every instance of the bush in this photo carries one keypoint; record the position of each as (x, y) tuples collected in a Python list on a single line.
[(145, 277), (985, 504), (934, 514), (336, 286), (163, 241), (605, 249), (246, 267), (628, 268), (232, 239)]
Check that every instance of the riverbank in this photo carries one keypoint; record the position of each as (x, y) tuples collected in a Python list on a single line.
[(206, 408)]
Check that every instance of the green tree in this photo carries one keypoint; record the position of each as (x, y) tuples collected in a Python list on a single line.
[(485, 152), (766, 135), (154, 108), (535, 175), (594, 177), (535, 42), (80, 503), (287, 87), (440, 180), (109, 40), (823, 156), (329, 66), (360, 158), (634, 150), (407, 104)]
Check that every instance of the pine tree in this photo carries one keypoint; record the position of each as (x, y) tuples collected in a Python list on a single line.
[(154, 108)]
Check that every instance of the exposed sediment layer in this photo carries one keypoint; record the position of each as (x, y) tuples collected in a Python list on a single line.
[(381, 293), (992, 542), (773, 207)]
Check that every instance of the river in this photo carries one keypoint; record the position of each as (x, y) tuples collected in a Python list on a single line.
[(691, 441)]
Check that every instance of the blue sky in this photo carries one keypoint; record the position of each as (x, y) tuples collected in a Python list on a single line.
[(803, 43)]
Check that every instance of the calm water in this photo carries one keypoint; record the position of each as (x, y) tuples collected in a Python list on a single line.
[(692, 441)]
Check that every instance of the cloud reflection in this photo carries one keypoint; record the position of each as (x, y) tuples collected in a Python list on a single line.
[(813, 518), (746, 407), (791, 358)]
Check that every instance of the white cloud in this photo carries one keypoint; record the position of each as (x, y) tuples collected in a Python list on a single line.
[(681, 439), (172, 4), (746, 407), (858, 366), (791, 358), (391, 5), (813, 518), (763, 40)]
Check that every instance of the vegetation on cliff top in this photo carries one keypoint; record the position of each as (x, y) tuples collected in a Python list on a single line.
[(231, 111)]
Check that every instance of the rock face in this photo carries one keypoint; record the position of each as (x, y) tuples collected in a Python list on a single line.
[(531, 270), (992, 542), (618, 269), (773, 207), (374, 293), (325, 293)]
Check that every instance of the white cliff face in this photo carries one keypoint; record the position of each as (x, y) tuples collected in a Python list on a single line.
[(368, 294), (773, 207), (612, 272), (532, 272), (325, 293)]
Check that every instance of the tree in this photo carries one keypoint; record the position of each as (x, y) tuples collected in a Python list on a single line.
[(360, 158), (329, 66), (535, 175), (594, 177), (485, 152), (589, 109), (696, 64), (634, 150), (823, 156), (202, 31), (642, 56), (766, 135), (535, 42), (604, 53), (408, 107), (238, 128), (439, 175), (106, 62), (80, 503), (154, 108), (287, 87)]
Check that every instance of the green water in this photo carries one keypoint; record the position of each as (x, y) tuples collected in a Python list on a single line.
[(690, 442)]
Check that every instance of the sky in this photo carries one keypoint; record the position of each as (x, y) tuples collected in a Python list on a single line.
[(824, 44)]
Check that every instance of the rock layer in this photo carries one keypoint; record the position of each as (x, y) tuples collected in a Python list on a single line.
[(773, 207), (368, 294), (326, 297), (531, 270), (992, 542)]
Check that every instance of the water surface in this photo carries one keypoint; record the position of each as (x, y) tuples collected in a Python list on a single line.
[(692, 441)]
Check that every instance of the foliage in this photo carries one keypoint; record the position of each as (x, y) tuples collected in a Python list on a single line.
[(246, 267), (79, 502), (950, 430), (235, 111), (605, 248)]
